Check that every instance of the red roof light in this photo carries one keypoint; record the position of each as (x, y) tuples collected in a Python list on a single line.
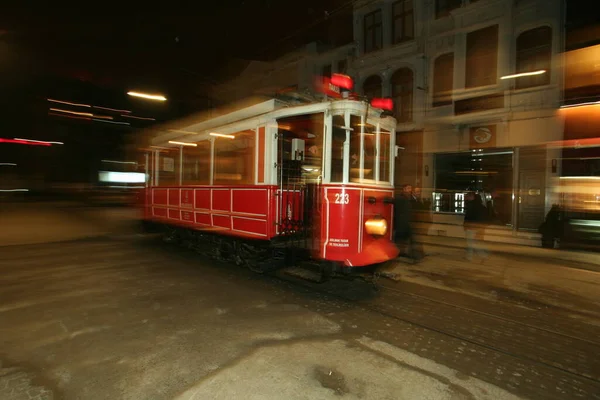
[(384, 104), (343, 81)]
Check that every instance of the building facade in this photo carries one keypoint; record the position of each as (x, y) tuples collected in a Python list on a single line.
[(465, 122)]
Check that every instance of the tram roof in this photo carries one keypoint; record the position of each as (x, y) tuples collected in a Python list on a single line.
[(188, 129)]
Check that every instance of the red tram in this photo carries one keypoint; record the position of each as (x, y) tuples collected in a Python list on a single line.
[(278, 180)]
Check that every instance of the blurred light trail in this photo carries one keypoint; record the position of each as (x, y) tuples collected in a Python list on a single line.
[(144, 118), (72, 112), (69, 116), (222, 135), (69, 103), (589, 103), (112, 109), (119, 162), (15, 141), (14, 190), (8, 163), (38, 141), (111, 122), (180, 131), (183, 143), (147, 96), (102, 116), (122, 177), (522, 74)]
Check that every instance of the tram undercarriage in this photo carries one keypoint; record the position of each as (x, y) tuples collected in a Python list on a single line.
[(290, 255)]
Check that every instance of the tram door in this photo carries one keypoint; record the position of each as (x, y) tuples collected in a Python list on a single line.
[(299, 163)]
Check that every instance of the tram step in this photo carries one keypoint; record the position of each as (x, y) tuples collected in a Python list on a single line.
[(304, 273)]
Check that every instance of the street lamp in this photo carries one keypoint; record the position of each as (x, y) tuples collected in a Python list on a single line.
[(156, 97)]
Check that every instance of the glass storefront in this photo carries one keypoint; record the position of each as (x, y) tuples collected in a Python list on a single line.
[(488, 172)]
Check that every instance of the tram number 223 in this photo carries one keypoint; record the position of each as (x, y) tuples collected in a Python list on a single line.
[(342, 198)]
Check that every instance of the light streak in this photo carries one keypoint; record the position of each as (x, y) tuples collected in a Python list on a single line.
[(14, 190), (38, 141), (113, 109), (183, 143), (147, 96), (8, 164), (72, 112), (144, 118), (522, 74), (15, 141), (69, 103), (589, 103), (119, 162), (69, 116), (222, 135), (111, 122)]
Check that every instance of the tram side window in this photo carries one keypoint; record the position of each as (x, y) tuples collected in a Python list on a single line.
[(384, 155), (196, 164), (168, 167), (337, 149), (234, 159)]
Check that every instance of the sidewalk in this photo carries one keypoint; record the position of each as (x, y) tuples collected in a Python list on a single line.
[(564, 279), (576, 259)]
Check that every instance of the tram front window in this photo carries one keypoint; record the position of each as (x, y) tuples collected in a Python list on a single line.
[(337, 149)]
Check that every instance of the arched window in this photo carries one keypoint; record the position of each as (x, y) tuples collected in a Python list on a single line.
[(372, 87), (534, 53), (402, 93), (443, 79)]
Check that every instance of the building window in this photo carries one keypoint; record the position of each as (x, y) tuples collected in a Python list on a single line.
[(373, 31), (402, 93), (534, 53), (372, 87), (443, 7), (482, 57), (326, 71), (342, 66), (403, 25), (443, 80)]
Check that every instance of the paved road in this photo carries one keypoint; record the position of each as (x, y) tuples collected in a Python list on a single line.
[(131, 318)]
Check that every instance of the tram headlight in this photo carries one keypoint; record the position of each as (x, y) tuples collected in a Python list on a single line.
[(376, 226)]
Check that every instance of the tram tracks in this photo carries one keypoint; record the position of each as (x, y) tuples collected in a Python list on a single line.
[(569, 355)]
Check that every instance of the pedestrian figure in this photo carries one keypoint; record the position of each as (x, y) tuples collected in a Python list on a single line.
[(404, 229), (476, 217)]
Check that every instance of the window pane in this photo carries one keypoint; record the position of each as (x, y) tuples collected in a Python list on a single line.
[(196, 164), (234, 159), (372, 31), (337, 149), (355, 148), (168, 168), (402, 92), (300, 147), (372, 87), (384, 155), (534, 53), (482, 57), (443, 80)]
